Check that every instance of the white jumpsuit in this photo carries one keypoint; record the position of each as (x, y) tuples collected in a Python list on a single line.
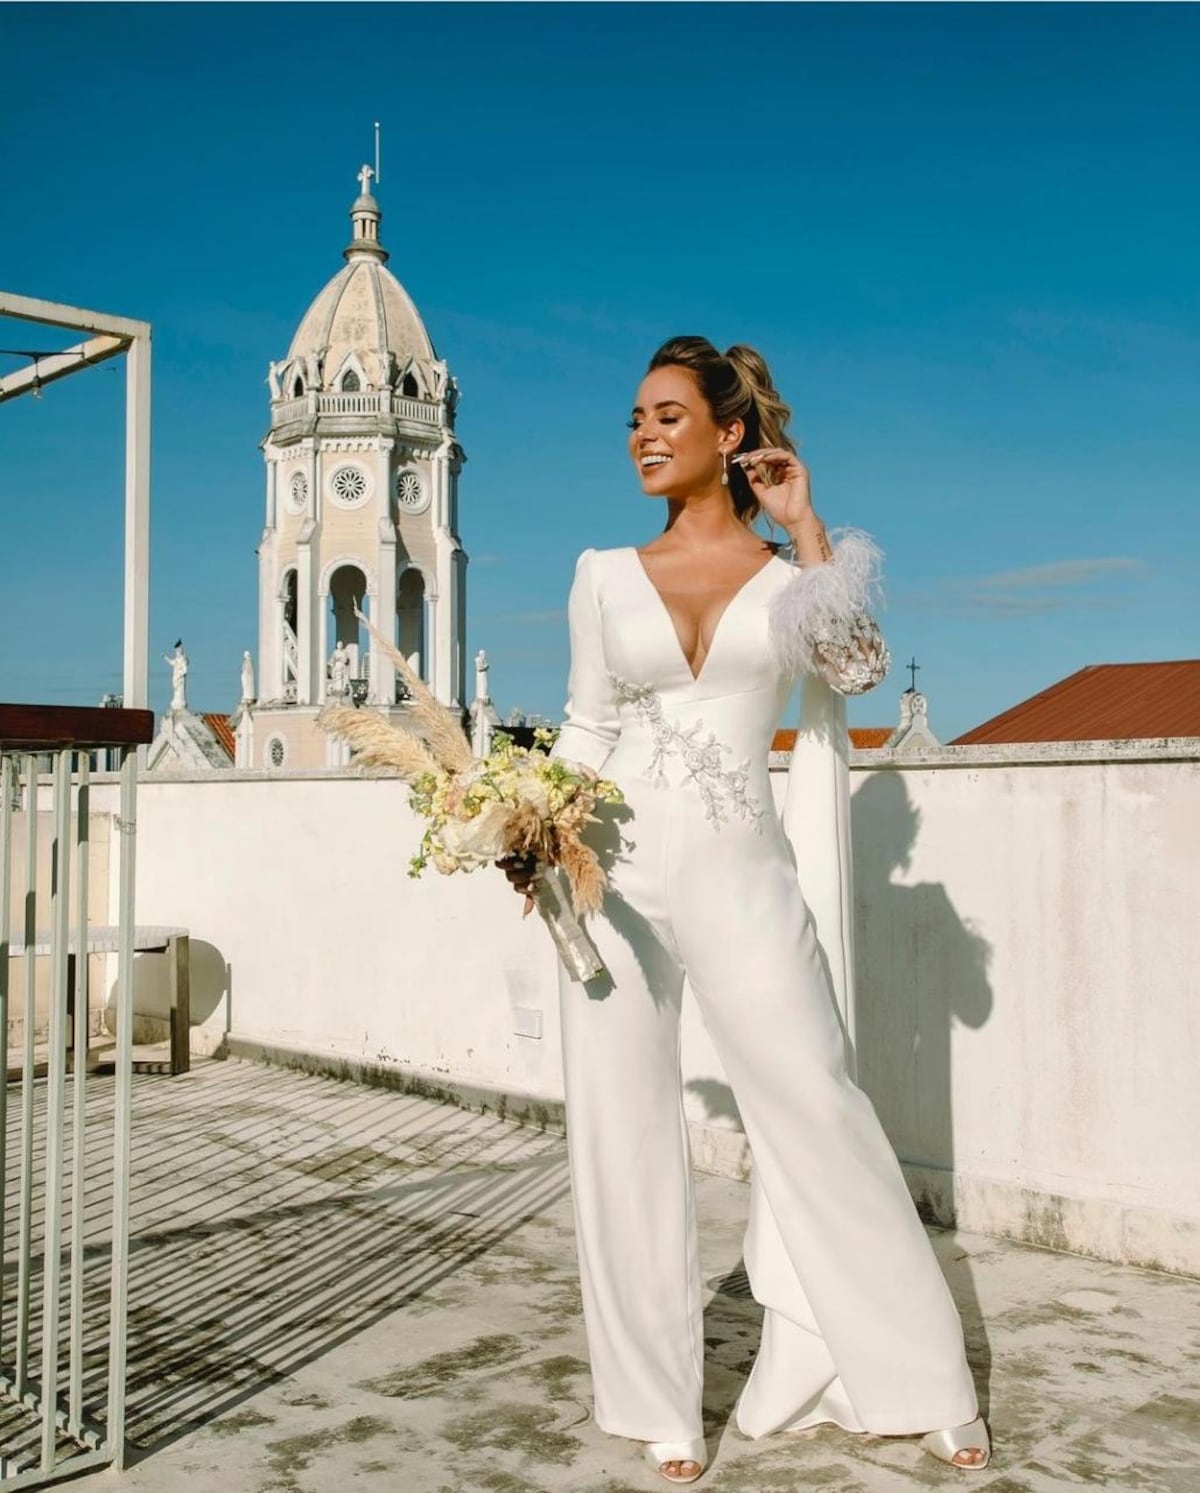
[(859, 1326)]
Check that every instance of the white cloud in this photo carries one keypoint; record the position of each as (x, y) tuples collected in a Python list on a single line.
[(1057, 573), (1033, 589)]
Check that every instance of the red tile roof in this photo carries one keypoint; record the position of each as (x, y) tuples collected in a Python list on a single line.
[(860, 736), (219, 726), (870, 736), (1104, 702)]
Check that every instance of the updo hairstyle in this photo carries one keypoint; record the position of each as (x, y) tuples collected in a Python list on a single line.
[(736, 385)]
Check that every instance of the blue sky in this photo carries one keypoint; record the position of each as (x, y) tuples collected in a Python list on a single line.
[(965, 237)]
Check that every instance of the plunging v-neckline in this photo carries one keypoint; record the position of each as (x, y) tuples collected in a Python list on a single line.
[(670, 618)]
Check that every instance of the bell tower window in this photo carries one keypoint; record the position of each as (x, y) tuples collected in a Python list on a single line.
[(289, 628), (347, 597), (410, 619), (298, 388), (409, 387), (350, 382)]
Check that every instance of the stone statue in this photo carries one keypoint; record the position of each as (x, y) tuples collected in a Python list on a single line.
[(247, 677), (339, 673), (179, 667), (273, 380), (481, 676)]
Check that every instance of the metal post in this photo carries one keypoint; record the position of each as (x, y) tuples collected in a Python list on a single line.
[(27, 1070), (124, 1099), (137, 522), (7, 788), (178, 962), (56, 1063), (79, 1126)]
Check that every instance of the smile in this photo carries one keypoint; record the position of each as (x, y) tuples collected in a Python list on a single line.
[(653, 461)]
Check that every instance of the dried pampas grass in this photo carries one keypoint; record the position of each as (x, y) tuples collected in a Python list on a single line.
[(583, 872), (445, 737), (377, 744), (527, 832)]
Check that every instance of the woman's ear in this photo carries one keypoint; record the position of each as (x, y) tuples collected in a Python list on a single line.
[(732, 435)]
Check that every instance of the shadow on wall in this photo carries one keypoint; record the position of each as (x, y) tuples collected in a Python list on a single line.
[(920, 968), (208, 986)]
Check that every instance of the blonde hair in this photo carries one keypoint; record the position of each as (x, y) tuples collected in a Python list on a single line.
[(736, 385)]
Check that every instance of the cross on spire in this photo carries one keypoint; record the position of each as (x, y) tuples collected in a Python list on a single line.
[(364, 177), (913, 668)]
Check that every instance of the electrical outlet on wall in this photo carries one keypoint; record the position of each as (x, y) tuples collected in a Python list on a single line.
[(527, 1021)]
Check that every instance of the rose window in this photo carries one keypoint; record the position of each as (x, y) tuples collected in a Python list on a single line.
[(410, 492), (298, 490), (349, 486)]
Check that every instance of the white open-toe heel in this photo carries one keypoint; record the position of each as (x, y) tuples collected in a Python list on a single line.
[(660, 1452), (971, 1437)]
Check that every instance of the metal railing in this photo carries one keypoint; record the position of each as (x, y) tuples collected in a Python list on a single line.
[(64, 1242)]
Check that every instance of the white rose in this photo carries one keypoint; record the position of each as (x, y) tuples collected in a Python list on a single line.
[(480, 839), (533, 791)]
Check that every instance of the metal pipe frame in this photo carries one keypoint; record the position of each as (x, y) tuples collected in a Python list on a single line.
[(112, 335), (41, 1371)]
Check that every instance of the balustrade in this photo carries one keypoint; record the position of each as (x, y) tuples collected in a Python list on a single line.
[(367, 402)]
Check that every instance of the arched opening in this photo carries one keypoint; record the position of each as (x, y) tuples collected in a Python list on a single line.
[(348, 592), (410, 618), (291, 643), (350, 382), (297, 387), (409, 387)]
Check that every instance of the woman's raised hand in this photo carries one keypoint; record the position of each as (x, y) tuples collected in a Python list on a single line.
[(779, 480)]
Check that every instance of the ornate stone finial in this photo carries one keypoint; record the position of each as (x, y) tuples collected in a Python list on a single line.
[(365, 216)]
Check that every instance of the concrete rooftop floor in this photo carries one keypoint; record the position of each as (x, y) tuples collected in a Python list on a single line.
[(339, 1288)]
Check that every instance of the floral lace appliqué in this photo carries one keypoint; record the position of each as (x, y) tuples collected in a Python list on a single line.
[(849, 653), (724, 790)]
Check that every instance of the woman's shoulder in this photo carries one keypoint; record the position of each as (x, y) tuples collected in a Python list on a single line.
[(594, 561)]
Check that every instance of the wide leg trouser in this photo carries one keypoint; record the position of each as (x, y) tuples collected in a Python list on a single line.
[(859, 1326)]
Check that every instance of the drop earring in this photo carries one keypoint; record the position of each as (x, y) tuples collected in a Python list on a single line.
[(724, 468)]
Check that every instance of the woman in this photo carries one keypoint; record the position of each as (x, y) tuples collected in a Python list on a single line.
[(683, 654)]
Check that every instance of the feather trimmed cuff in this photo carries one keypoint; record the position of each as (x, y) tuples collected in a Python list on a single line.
[(821, 621)]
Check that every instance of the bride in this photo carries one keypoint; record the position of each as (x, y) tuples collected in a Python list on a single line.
[(684, 652)]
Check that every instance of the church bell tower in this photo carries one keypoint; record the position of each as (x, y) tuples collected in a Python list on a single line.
[(362, 470)]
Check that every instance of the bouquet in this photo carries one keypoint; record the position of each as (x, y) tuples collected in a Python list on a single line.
[(515, 801)]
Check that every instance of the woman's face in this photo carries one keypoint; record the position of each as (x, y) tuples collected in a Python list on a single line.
[(674, 441)]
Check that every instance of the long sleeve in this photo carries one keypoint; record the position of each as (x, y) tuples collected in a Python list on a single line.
[(822, 623), (591, 725), (816, 821)]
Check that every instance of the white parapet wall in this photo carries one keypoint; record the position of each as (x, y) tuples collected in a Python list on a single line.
[(1028, 970)]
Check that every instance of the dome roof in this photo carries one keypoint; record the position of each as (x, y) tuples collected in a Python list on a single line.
[(363, 310)]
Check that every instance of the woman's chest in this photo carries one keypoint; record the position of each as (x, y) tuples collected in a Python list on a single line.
[(647, 636)]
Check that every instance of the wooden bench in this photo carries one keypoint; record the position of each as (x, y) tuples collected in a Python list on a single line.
[(103, 939)]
